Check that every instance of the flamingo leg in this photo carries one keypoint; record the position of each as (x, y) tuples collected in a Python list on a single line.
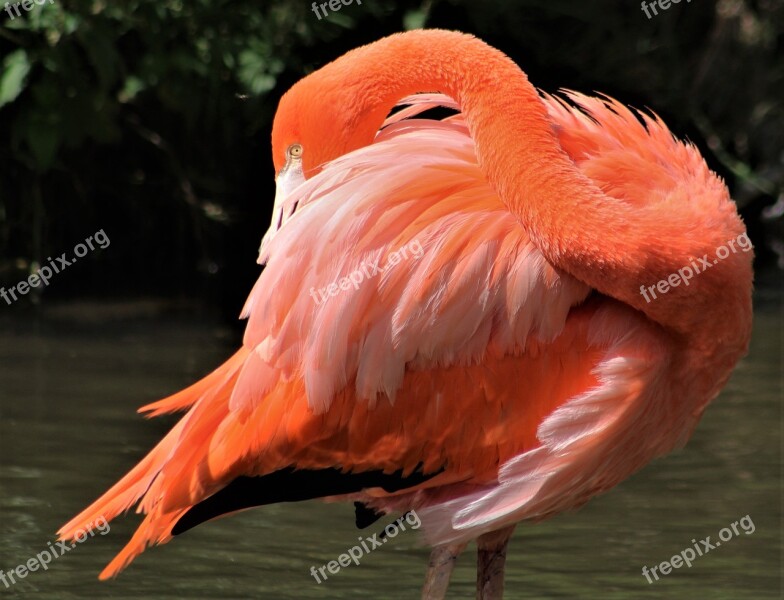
[(491, 558), (439, 570)]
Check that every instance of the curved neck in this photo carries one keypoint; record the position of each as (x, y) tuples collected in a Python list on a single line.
[(598, 240)]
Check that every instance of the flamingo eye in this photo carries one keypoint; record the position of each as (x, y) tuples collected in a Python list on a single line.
[(294, 151)]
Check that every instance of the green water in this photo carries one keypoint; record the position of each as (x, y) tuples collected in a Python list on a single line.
[(70, 382)]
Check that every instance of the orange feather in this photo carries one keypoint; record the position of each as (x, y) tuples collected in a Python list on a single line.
[(514, 360)]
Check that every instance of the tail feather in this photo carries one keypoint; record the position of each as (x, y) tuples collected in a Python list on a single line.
[(139, 483), (154, 529), (186, 398), (126, 492)]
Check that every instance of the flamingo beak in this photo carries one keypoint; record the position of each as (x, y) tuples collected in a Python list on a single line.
[(290, 177)]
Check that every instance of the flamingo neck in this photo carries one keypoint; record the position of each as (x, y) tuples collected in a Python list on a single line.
[(596, 239), (561, 210)]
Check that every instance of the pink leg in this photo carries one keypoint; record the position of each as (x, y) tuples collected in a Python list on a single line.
[(439, 570), (491, 558)]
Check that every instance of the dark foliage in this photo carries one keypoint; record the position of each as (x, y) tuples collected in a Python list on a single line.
[(151, 120)]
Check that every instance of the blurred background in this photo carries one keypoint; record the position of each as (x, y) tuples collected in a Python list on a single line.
[(150, 120)]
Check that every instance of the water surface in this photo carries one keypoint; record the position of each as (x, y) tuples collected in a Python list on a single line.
[(71, 380)]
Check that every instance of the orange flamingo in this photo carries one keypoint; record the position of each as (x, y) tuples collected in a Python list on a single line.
[(512, 369)]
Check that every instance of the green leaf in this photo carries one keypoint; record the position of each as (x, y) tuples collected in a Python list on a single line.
[(99, 45), (16, 66), (43, 139), (415, 19), (254, 72), (133, 85)]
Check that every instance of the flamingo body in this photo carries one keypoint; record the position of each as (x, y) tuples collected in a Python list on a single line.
[(509, 373)]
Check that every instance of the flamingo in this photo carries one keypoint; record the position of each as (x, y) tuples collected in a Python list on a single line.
[(510, 370)]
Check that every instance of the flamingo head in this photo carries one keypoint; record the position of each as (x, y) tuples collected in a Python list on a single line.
[(324, 116)]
